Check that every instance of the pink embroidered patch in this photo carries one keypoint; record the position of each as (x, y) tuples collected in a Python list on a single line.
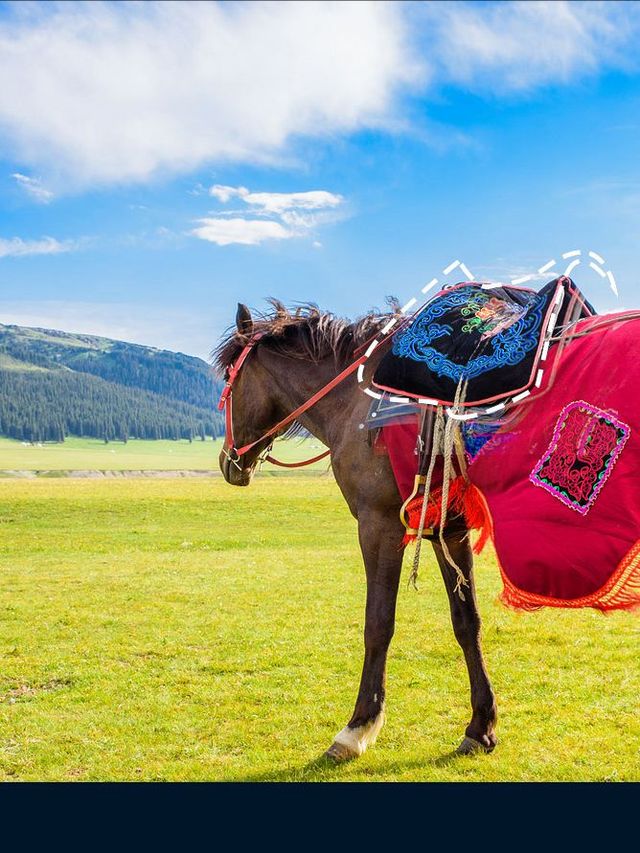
[(586, 444)]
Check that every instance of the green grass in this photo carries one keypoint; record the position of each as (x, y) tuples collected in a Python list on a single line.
[(91, 454), (173, 629)]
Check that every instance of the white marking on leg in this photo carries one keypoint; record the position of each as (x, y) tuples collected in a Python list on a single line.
[(359, 739)]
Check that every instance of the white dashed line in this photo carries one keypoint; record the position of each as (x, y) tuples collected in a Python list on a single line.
[(409, 304), (466, 271), (466, 417), (552, 323), (547, 267), (493, 409)]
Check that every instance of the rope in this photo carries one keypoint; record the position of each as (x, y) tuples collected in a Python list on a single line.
[(451, 429), (435, 450)]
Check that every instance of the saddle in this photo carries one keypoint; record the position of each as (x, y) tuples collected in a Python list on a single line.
[(477, 344)]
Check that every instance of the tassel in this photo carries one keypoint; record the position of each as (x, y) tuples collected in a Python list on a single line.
[(464, 499)]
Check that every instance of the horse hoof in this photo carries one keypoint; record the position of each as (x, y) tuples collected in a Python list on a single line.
[(470, 746), (340, 752)]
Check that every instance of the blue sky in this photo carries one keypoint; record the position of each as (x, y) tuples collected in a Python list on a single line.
[(158, 163)]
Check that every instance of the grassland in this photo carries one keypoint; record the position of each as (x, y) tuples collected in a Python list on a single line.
[(88, 454), (174, 629)]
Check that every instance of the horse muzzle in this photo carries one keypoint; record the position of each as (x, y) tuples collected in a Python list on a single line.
[(232, 469)]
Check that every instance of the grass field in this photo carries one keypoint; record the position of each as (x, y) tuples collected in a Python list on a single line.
[(185, 630), (92, 454)]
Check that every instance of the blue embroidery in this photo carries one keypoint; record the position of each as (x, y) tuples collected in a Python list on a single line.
[(510, 346), (476, 435)]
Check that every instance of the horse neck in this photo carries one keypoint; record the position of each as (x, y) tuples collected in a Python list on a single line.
[(297, 380)]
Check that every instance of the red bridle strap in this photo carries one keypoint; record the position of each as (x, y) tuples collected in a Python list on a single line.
[(270, 458), (305, 406), (234, 369), (226, 403)]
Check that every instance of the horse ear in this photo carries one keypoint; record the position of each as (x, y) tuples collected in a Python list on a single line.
[(244, 322)]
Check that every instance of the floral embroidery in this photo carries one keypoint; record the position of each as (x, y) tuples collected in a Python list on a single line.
[(490, 315), (586, 444)]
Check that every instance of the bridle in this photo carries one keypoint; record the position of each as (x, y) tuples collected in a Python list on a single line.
[(234, 453)]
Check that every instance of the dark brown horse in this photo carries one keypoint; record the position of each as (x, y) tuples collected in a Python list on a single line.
[(296, 355)]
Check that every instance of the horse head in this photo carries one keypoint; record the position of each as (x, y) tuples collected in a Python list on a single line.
[(251, 404)]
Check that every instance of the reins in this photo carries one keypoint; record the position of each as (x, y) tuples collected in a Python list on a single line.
[(233, 452)]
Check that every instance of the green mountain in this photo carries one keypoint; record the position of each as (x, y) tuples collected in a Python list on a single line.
[(54, 384)]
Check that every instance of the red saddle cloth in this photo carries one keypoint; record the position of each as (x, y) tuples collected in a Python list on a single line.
[(562, 484)]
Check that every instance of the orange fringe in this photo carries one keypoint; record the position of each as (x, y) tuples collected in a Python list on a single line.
[(464, 499), (620, 592)]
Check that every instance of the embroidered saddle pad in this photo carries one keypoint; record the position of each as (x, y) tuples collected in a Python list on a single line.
[(490, 337)]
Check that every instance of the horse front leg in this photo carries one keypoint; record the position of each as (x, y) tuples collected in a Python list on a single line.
[(479, 734), (380, 542)]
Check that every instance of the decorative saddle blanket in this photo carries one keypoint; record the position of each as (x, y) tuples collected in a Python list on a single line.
[(489, 338), (562, 485), (559, 478)]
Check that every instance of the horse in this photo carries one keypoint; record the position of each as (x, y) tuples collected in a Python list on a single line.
[(292, 356)]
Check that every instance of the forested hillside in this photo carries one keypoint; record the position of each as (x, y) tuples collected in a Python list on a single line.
[(54, 384)]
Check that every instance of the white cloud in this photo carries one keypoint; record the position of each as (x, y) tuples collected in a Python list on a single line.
[(16, 247), (248, 232), (517, 46), (278, 202), (284, 215), (223, 193), (33, 187), (99, 92)]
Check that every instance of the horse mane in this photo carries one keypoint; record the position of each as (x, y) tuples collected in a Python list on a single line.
[(305, 332)]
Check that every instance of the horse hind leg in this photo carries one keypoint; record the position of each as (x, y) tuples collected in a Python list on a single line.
[(480, 733)]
